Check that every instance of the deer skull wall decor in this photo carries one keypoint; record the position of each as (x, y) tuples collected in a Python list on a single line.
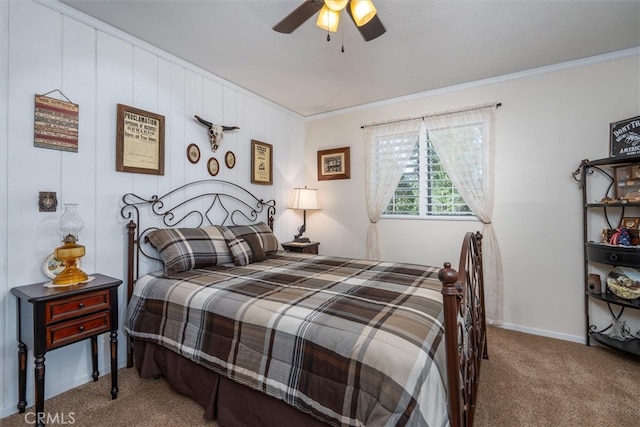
[(215, 132)]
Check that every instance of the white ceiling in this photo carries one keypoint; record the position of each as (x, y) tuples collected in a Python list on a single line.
[(428, 44)]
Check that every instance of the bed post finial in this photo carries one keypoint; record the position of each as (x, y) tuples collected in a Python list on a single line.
[(447, 275)]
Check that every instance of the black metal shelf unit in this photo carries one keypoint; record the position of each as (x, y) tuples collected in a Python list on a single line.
[(610, 255)]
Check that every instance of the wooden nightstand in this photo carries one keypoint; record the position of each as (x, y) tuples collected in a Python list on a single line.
[(50, 318), (305, 248)]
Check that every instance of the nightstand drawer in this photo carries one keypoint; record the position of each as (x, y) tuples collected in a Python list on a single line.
[(310, 250), (75, 330), (76, 306)]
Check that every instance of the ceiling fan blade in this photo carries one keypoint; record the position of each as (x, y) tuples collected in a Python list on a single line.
[(371, 29), (299, 16)]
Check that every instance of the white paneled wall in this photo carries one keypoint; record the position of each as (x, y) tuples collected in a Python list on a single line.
[(46, 46)]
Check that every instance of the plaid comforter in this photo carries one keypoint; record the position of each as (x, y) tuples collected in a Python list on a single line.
[(352, 342)]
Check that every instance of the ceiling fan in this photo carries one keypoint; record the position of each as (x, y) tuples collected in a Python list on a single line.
[(362, 12)]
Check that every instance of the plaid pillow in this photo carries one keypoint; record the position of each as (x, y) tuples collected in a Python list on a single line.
[(184, 249), (268, 240), (250, 243)]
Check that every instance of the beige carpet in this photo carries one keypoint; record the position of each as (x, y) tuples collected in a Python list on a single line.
[(528, 381)]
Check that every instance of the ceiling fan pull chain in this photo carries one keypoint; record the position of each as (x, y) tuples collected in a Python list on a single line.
[(342, 34)]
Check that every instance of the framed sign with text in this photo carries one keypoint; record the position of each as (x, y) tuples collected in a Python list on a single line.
[(625, 138), (139, 141), (261, 163)]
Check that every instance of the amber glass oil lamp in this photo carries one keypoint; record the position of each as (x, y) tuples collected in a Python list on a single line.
[(70, 226)]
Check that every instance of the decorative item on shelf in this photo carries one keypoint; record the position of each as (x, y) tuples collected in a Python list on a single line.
[(611, 236), (632, 197), (630, 223), (47, 201), (304, 199), (594, 283), (607, 200), (216, 132), (627, 183), (620, 331), (624, 282), (70, 226), (620, 236), (625, 138), (193, 153)]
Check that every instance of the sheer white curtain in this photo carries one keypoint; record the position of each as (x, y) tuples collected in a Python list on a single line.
[(464, 143), (388, 149)]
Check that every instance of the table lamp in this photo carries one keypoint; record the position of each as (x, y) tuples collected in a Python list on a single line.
[(70, 226), (305, 199)]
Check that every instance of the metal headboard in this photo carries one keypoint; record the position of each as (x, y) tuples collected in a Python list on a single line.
[(194, 204)]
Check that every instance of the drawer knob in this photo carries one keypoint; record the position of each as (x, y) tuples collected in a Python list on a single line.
[(81, 328), (613, 257), (81, 305)]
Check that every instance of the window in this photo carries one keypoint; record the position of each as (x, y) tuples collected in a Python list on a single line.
[(425, 189)]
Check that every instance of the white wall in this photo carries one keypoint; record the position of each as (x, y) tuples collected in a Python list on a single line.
[(47, 47), (549, 121)]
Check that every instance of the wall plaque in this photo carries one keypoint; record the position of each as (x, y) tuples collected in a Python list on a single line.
[(625, 138)]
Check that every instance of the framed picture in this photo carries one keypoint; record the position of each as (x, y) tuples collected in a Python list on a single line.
[(261, 163), (624, 138), (213, 167), (334, 164), (630, 223), (230, 159), (139, 141), (193, 153)]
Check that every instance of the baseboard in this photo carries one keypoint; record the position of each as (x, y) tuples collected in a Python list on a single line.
[(542, 332)]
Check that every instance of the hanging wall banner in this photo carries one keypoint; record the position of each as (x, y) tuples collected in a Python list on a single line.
[(55, 124)]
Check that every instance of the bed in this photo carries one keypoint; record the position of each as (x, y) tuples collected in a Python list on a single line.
[(263, 337)]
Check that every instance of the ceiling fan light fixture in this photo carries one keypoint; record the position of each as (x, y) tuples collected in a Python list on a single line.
[(328, 19), (336, 5), (363, 11)]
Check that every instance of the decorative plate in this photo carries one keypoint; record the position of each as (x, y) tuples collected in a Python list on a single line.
[(193, 153), (213, 167), (52, 266), (624, 282), (230, 159)]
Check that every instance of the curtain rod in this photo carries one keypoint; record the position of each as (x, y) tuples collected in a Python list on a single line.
[(462, 110)]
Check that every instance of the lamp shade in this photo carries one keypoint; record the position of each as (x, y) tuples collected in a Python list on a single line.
[(328, 19), (336, 5), (304, 199), (363, 11), (70, 222)]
